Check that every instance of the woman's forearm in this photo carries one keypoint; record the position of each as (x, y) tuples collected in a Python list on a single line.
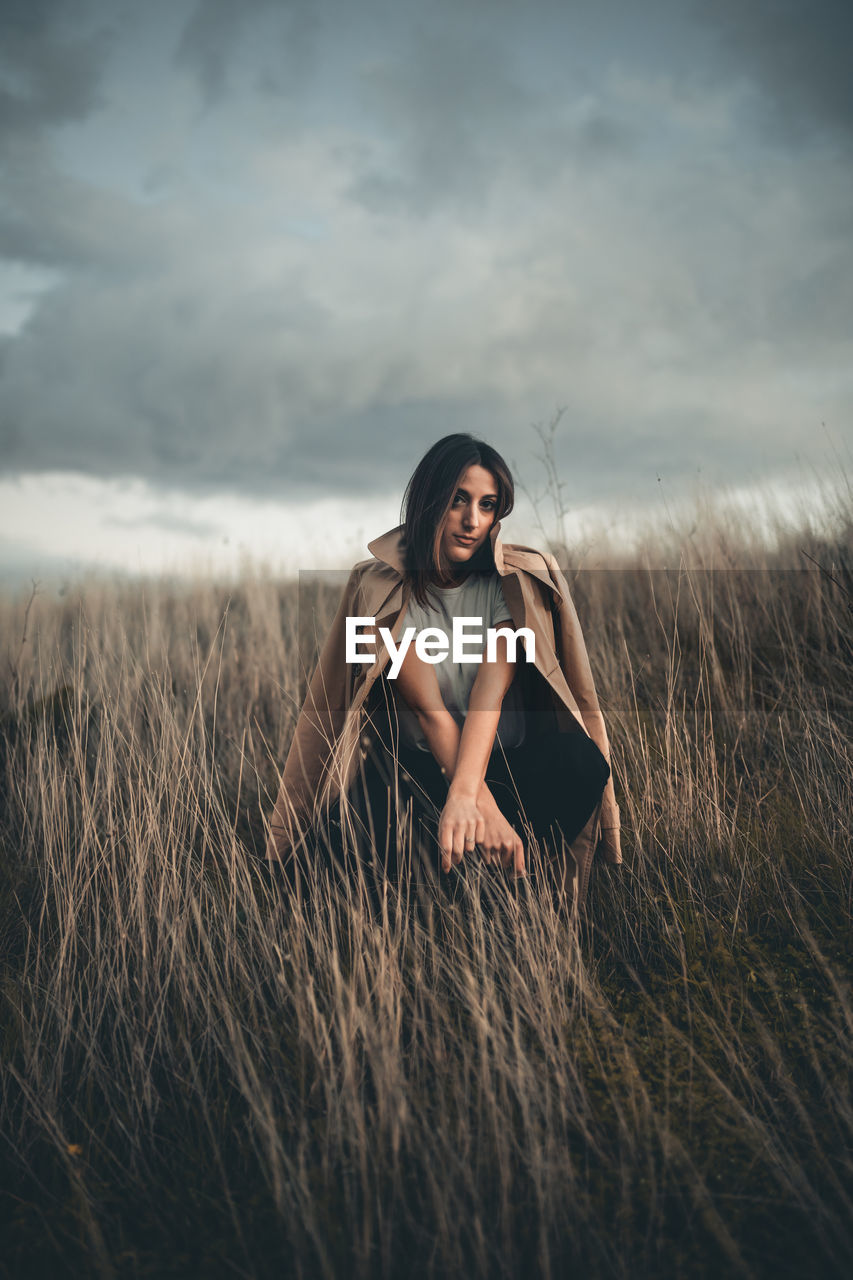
[(442, 734), (470, 813), (462, 755), (475, 747), (481, 724), (443, 737)]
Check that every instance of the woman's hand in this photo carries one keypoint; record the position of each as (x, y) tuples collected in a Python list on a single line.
[(500, 842), (460, 828), (465, 824)]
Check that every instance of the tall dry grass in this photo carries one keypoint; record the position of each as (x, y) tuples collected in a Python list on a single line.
[(202, 1075)]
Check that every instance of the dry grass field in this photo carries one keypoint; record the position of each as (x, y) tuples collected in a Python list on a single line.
[(203, 1076)]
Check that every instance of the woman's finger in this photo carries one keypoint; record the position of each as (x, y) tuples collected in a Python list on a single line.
[(506, 851)]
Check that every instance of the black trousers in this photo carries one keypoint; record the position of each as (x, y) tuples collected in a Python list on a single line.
[(548, 787)]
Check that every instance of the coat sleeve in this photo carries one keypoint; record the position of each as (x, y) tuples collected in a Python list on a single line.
[(578, 673), (318, 728)]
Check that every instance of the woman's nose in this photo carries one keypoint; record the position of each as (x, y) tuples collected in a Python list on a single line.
[(471, 518)]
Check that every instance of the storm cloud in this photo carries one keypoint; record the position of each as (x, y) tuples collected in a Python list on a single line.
[(278, 248)]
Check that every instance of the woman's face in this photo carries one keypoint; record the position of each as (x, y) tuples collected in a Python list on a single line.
[(471, 515)]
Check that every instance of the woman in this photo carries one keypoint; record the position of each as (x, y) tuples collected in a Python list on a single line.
[(495, 749)]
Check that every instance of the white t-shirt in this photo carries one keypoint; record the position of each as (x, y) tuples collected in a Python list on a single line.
[(479, 596)]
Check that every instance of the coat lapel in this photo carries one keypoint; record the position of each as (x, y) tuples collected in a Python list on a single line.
[(389, 548)]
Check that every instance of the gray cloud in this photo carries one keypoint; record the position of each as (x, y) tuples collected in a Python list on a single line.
[(460, 113), (50, 70), (456, 233), (798, 53), (209, 42), (453, 109), (213, 39)]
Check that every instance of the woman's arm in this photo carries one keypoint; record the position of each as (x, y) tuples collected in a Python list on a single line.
[(481, 722), (470, 815), (475, 747), (418, 684)]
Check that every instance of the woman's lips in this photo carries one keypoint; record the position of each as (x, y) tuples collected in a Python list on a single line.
[(466, 542)]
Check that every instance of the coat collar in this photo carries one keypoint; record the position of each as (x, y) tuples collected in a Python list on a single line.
[(509, 558)]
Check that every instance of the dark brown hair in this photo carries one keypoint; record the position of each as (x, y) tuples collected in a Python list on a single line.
[(427, 500)]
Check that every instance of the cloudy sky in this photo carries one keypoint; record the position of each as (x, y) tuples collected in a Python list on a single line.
[(256, 255)]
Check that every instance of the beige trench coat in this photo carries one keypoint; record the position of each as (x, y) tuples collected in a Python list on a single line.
[(323, 756)]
